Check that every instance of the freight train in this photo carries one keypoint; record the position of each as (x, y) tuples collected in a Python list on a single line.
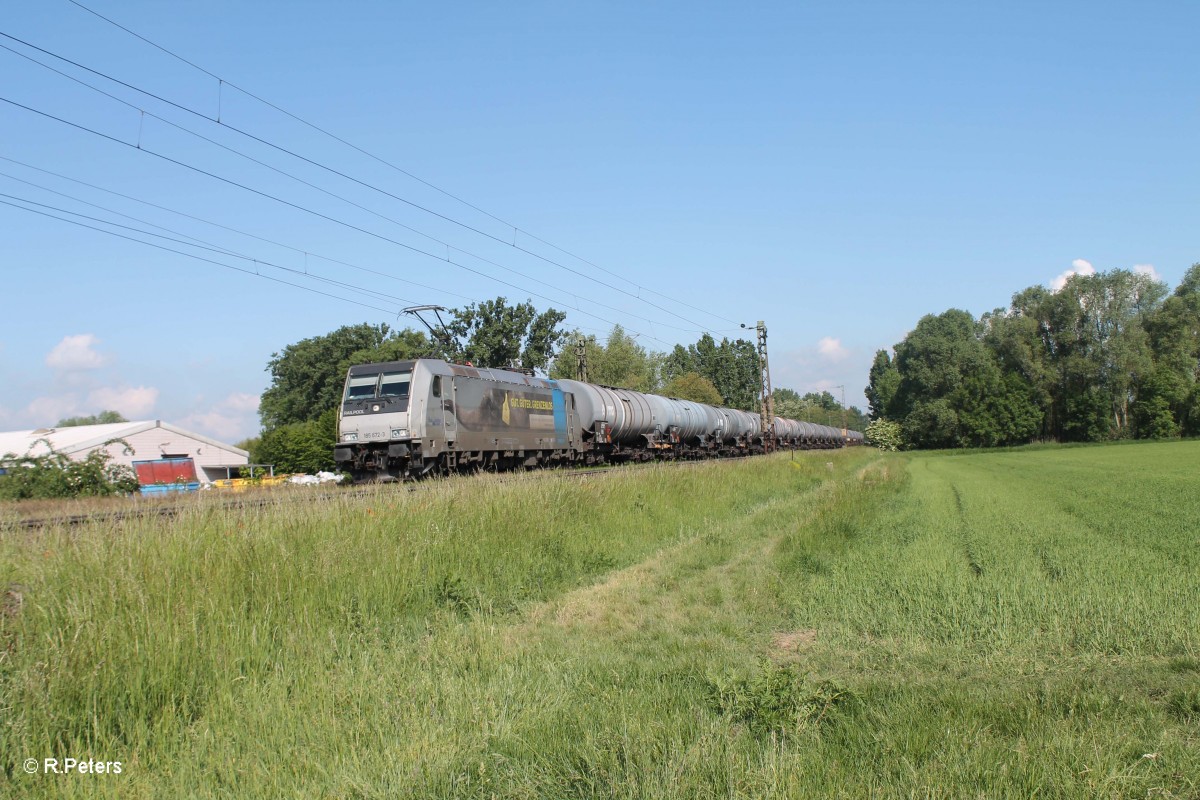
[(408, 419)]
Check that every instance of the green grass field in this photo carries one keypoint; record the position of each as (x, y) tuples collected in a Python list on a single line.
[(1003, 624)]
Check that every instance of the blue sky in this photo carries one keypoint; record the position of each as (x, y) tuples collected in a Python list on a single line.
[(837, 170)]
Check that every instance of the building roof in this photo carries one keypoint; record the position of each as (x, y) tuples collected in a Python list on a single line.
[(80, 438)]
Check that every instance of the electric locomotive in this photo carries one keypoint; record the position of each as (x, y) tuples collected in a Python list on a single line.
[(409, 418)]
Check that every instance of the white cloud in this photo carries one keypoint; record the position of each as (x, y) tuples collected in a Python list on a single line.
[(241, 401), (1078, 267), (228, 428), (831, 349), (75, 353), (134, 402), (231, 420), (43, 412), (1147, 269)]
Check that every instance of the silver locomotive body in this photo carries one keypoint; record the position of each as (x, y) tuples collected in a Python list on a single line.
[(449, 416)]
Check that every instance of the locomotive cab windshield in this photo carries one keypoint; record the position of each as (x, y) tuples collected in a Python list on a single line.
[(377, 388), (378, 385), (394, 384)]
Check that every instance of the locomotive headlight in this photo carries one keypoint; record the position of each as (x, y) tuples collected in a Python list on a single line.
[(349, 437), (399, 433)]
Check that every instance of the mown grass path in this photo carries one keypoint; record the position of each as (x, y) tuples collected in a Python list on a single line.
[(1000, 624)]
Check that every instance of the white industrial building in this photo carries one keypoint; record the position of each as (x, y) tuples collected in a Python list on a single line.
[(148, 440)]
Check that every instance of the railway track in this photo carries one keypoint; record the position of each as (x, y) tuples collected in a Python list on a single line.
[(311, 496)]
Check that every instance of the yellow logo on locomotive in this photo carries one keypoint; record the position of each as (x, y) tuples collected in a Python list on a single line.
[(532, 404)]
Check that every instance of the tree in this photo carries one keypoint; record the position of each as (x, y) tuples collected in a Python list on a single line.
[(1108, 355), (619, 361), (1152, 413), (823, 400), (103, 418), (739, 378), (680, 361), (953, 393), (788, 404), (884, 381), (731, 366), (930, 424), (494, 334), (856, 420), (299, 446), (932, 358), (694, 387), (307, 377), (1019, 341), (995, 408), (1174, 333), (1099, 342)]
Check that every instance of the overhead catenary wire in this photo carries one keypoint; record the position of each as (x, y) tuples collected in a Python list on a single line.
[(198, 258), (95, 205), (321, 189), (222, 82), (636, 296), (271, 167), (258, 262), (195, 218), (267, 195), (202, 243)]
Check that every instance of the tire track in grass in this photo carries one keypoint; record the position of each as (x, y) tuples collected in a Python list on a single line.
[(651, 647), (733, 547), (964, 533)]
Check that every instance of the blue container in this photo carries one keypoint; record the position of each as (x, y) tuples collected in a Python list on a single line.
[(170, 488)]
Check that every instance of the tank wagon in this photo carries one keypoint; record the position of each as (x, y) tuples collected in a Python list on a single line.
[(407, 419)]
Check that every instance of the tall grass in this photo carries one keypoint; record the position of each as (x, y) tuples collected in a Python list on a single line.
[(145, 640), (843, 624)]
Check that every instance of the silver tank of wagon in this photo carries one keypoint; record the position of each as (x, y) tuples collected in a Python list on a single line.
[(631, 415)]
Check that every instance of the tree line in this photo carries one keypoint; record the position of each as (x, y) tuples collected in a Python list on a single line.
[(1112, 355), (299, 407)]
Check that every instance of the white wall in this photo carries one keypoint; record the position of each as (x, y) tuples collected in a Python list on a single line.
[(157, 442)]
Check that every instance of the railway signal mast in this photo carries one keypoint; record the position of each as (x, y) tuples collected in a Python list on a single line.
[(767, 412), (845, 429), (581, 373)]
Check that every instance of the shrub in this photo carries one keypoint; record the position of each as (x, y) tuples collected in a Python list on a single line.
[(58, 475), (884, 434)]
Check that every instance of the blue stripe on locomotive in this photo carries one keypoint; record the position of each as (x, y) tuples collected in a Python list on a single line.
[(560, 417)]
